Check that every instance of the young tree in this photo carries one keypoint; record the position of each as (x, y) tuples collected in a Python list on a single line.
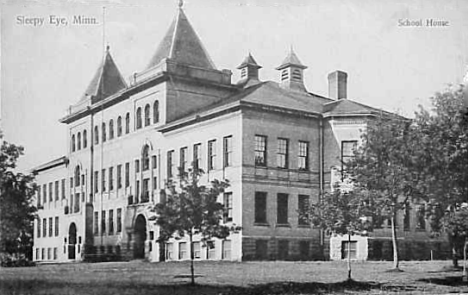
[(442, 162), (192, 209), (17, 212), (382, 170), (340, 213)]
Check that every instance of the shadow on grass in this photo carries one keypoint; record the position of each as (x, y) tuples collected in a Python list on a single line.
[(446, 281), (16, 286)]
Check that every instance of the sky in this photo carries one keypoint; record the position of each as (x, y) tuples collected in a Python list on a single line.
[(391, 61)]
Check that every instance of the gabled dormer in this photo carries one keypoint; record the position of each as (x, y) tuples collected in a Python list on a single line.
[(248, 71), (291, 72)]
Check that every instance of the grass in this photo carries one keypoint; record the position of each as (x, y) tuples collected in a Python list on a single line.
[(136, 277)]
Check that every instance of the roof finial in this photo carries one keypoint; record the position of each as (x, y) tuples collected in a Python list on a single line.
[(107, 47), (181, 3)]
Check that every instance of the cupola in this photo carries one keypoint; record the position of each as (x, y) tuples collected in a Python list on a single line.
[(291, 72), (248, 71)]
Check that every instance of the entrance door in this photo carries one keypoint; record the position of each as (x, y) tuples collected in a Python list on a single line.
[(72, 241), (140, 237)]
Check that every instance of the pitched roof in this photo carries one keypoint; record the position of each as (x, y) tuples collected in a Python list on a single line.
[(181, 44), (107, 80), (249, 61), (51, 164), (291, 60), (349, 107)]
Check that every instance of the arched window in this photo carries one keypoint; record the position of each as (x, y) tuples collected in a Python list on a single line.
[(96, 135), (85, 138), (145, 159), (147, 115), (111, 129), (78, 141), (119, 126), (156, 112), (77, 176), (138, 121), (103, 132), (127, 123), (73, 147)]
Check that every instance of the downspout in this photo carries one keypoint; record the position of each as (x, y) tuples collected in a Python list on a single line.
[(321, 171)]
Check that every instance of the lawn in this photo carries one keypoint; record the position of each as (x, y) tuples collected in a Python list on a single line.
[(136, 277)]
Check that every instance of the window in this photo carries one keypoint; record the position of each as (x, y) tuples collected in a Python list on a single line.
[(44, 193), (282, 209), (63, 188), (138, 120), (49, 253), (71, 203), (103, 180), (111, 178), (111, 129), (137, 190), (38, 228), (260, 207), (50, 226), (57, 190), (119, 176), (43, 253), (147, 115), (282, 153), (347, 150), (303, 205), (169, 251), (155, 182), (183, 159), (119, 220), (77, 176), (348, 247), (73, 143), (127, 123), (211, 154), (44, 227), (210, 246), (196, 250), (156, 112), (261, 249), (137, 166), (96, 223), (154, 162), (39, 196), (127, 174), (96, 135), (303, 155), (227, 215), (170, 164), (227, 249), (85, 139), (111, 222), (283, 249), (96, 181), (145, 195), (103, 130), (260, 150), (119, 126), (103, 222), (55, 253), (182, 250), (197, 156), (51, 192), (421, 225), (145, 158), (406, 218), (79, 141), (227, 151), (77, 202), (37, 254), (56, 226)]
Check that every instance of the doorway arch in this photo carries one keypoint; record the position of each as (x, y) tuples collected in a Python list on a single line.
[(140, 237), (72, 241)]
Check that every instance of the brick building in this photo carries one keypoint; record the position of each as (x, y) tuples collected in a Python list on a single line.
[(277, 143)]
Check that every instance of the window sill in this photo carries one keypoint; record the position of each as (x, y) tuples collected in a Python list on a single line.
[(261, 224), (283, 225)]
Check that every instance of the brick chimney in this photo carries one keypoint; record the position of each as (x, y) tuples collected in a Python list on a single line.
[(337, 85)]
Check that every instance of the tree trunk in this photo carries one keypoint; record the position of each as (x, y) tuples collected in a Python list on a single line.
[(192, 257), (349, 256), (396, 261), (454, 256)]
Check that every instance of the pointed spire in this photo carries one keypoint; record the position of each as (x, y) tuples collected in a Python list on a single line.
[(182, 45), (291, 60), (107, 80), (249, 71), (249, 61)]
